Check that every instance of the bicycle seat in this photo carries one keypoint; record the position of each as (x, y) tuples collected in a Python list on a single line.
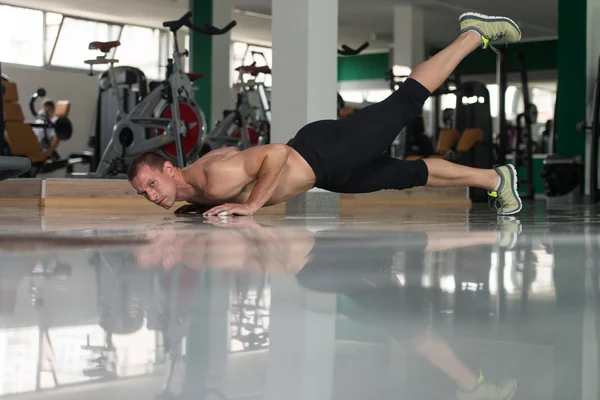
[(252, 70), (194, 76), (104, 46)]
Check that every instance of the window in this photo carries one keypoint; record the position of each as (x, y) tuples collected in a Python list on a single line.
[(375, 96), (544, 98), (75, 37), (238, 53), (52, 27), (245, 54), (186, 62), (447, 101), (145, 57), (352, 96), (509, 104), (21, 31), (262, 56), (38, 38), (167, 49)]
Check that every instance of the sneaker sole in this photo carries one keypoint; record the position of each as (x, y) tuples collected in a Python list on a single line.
[(515, 191), (489, 18)]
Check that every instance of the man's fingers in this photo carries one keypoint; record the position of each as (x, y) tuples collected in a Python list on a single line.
[(213, 212), (219, 209)]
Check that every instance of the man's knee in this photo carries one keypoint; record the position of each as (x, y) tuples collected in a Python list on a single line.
[(412, 94), (420, 173)]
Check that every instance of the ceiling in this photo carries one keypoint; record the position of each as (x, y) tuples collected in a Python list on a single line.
[(359, 20)]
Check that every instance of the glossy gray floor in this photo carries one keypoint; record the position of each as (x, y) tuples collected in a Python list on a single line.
[(407, 304)]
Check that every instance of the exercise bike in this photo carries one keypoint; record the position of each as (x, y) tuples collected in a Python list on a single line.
[(154, 124), (245, 126)]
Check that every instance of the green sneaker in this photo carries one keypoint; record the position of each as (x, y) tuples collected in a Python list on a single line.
[(492, 29), (506, 200), (490, 391)]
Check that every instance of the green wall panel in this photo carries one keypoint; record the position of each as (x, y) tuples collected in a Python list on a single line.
[(363, 67)]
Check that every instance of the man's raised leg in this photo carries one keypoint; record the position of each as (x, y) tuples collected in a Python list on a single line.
[(366, 134), (477, 30), (433, 72), (358, 141)]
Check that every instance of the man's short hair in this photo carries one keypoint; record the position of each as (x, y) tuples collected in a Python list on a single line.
[(151, 159), (49, 103)]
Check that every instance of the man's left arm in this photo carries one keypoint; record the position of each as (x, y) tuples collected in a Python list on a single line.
[(265, 164)]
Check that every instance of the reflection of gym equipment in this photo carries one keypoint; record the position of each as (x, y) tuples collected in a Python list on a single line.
[(248, 314), (9, 166), (122, 293), (23, 142), (103, 361), (154, 123), (245, 126), (45, 270)]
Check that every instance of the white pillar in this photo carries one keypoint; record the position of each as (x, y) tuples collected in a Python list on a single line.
[(221, 93), (304, 64), (409, 36), (302, 347)]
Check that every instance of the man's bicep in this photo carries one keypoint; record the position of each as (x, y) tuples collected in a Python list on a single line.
[(253, 159), (226, 176), (243, 167), (247, 162)]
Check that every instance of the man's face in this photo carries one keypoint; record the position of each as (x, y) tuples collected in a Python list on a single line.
[(49, 110), (158, 187)]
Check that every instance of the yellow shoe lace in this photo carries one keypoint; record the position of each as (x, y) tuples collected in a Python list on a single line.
[(494, 201)]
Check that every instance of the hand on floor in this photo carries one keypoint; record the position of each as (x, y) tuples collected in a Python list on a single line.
[(230, 209)]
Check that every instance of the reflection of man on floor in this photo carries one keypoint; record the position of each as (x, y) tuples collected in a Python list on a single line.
[(353, 263)]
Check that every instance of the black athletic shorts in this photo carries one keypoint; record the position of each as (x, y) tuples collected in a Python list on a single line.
[(347, 156)]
